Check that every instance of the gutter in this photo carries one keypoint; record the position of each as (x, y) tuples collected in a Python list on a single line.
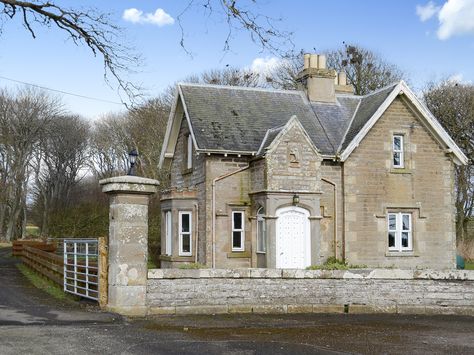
[(335, 213), (222, 177)]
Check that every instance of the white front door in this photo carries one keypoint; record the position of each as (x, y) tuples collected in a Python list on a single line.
[(293, 238)]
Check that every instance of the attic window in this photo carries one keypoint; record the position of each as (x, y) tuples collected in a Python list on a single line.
[(189, 152), (398, 151)]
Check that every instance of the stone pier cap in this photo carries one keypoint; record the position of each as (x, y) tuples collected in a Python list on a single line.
[(129, 184)]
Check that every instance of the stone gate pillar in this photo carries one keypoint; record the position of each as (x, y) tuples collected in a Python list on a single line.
[(128, 242)]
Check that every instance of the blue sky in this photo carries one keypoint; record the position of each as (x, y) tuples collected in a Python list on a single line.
[(429, 40)]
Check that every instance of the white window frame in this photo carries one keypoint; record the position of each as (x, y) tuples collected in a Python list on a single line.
[(263, 229), (399, 151), (189, 152), (241, 230), (168, 233), (189, 233), (399, 230)]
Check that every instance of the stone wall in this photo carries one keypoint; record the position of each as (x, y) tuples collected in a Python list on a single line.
[(291, 291), (424, 188)]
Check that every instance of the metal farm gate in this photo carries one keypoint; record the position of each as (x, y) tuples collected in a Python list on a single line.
[(81, 267)]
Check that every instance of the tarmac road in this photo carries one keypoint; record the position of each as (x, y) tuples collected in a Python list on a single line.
[(31, 322)]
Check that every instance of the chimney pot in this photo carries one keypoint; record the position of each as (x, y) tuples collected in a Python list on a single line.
[(342, 78), (322, 62), (313, 61), (307, 57)]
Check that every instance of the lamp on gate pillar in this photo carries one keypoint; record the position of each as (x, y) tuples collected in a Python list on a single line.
[(132, 157)]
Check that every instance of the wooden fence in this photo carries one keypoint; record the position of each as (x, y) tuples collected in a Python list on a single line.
[(46, 263), (18, 245), (41, 257)]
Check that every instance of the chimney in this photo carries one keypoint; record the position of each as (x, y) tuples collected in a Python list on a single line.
[(319, 83), (340, 84)]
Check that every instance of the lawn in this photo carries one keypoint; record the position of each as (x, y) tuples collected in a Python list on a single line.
[(32, 231), (43, 284), (469, 266)]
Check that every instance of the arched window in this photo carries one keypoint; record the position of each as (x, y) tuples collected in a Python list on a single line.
[(261, 231)]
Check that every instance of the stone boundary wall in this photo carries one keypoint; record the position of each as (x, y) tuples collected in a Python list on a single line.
[(212, 291)]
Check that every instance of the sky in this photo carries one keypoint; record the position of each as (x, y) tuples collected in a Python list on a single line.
[(428, 40)]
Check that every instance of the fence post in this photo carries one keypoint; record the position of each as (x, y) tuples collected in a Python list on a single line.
[(103, 271), (128, 242)]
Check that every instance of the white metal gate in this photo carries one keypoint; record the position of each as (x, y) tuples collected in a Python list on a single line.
[(81, 267)]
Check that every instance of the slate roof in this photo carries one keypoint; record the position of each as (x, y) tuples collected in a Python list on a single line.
[(368, 105), (238, 119)]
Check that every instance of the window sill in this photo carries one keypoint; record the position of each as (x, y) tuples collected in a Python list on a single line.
[(400, 171), (239, 254), (186, 171), (401, 253)]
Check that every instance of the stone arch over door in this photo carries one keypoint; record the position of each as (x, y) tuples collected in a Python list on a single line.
[(293, 238)]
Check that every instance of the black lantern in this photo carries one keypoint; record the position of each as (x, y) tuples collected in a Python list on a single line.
[(296, 199), (132, 157)]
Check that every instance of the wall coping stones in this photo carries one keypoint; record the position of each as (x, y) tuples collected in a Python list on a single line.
[(260, 273), (129, 184)]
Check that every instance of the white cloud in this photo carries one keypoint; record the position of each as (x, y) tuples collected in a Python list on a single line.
[(458, 78), (456, 17), (425, 12), (159, 17), (265, 65)]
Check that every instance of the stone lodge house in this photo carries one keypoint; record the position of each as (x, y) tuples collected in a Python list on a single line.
[(286, 179)]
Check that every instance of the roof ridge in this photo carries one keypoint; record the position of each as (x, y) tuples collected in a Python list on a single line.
[(234, 87)]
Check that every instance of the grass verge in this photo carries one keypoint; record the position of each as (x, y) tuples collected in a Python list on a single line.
[(469, 266), (43, 284)]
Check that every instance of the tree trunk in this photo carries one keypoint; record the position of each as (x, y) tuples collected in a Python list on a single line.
[(3, 210), (12, 222)]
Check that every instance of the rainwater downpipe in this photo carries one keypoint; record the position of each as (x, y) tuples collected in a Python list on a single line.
[(196, 206), (222, 177), (335, 213)]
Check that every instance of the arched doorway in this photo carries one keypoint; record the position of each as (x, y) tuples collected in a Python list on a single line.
[(293, 238)]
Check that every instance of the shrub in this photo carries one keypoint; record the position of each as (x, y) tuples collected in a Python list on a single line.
[(333, 263)]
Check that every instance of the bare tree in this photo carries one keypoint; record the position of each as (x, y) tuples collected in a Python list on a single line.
[(109, 146), (60, 156), (285, 75), (23, 118), (365, 70), (263, 29), (89, 27), (96, 30), (227, 76), (453, 104), (147, 126)]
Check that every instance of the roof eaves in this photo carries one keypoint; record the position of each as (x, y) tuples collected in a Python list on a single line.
[(168, 128), (191, 131), (437, 127)]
